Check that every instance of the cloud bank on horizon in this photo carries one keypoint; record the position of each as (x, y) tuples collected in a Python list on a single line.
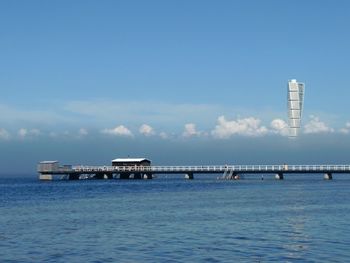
[(224, 128)]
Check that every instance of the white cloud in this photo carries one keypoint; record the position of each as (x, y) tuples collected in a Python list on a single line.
[(121, 130), (146, 130), (22, 132), (102, 113), (163, 135), (247, 127), (190, 130), (25, 132), (4, 134), (345, 130), (316, 126), (279, 126), (83, 132)]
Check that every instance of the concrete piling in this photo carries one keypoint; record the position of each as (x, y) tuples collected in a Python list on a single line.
[(279, 176), (189, 176), (328, 176)]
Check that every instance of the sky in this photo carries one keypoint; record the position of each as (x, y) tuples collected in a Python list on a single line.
[(179, 82)]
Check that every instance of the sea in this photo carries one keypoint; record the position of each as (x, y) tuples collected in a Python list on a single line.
[(302, 218)]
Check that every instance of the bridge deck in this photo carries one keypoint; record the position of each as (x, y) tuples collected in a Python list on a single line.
[(205, 169)]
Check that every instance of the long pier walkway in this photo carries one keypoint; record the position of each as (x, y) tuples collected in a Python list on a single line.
[(147, 172)]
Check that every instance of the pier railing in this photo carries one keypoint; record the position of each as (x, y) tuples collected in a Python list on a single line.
[(212, 168)]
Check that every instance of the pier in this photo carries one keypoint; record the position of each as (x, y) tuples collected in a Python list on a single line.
[(48, 169)]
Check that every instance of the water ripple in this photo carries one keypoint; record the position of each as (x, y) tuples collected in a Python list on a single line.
[(175, 221)]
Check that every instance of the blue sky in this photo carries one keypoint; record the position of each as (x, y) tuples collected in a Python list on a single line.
[(203, 78)]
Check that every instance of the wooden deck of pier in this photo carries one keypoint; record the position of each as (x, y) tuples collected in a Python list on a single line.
[(147, 172)]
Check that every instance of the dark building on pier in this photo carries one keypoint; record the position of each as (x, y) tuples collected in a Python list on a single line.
[(131, 162), (134, 167)]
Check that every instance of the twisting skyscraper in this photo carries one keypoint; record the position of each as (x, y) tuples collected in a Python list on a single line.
[(295, 106)]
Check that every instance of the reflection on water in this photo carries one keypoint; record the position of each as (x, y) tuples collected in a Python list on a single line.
[(298, 237)]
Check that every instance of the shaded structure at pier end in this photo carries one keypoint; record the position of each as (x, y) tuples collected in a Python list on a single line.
[(46, 167)]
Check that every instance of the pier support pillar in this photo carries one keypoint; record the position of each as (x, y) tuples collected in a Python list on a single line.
[(108, 176), (189, 176), (147, 176), (45, 177), (279, 176), (328, 176), (233, 176), (101, 176)]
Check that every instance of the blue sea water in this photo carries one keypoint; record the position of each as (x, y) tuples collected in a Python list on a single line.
[(299, 219)]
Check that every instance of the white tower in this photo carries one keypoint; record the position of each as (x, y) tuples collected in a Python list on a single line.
[(295, 106)]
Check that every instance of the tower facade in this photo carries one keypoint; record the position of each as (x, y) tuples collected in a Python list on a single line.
[(295, 106)]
